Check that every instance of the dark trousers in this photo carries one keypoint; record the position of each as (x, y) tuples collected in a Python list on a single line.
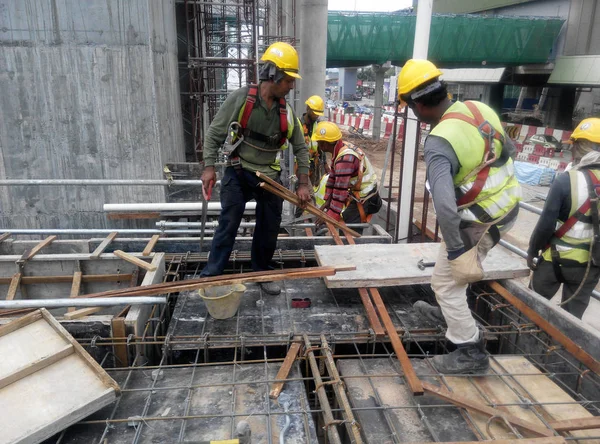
[(351, 214), (544, 282), (235, 192)]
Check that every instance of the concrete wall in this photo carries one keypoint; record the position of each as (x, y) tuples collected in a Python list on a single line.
[(89, 91), (583, 28)]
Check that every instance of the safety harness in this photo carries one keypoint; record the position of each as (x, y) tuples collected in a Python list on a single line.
[(354, 193), (482, 171), (591, 203), (276, 140), (488, 133)]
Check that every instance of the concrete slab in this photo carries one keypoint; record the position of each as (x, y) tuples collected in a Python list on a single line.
[(396, 264)]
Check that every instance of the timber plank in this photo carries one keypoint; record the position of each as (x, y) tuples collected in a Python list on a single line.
[(35, 250), (548, 393), (134, 260), (14, 286), (4, 236), (150, 245), (105, 243), (468, 403), (284, 370), (410, 375), (384, 265)]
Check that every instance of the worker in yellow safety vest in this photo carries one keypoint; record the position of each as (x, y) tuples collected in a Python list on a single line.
[(475, 192), (567, 231), (315, 108), (351, 188)]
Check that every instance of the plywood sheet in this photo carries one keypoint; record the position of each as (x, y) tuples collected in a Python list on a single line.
[(47, 380), (384, 265), (557, 405)]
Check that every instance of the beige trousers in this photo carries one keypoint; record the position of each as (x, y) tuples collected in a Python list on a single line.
[(452, 297)]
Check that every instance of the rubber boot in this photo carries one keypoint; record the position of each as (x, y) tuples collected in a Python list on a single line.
[(469, 358), (430, 312), (271, 288)]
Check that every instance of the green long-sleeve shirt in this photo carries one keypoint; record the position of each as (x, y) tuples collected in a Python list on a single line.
[(262, 120)]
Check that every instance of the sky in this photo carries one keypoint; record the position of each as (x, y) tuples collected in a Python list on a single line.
[(369, 5)]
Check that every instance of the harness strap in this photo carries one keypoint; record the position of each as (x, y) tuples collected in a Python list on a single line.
[(488, 133), (571, 221)]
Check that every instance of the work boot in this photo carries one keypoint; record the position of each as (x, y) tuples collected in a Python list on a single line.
[(271, 288), (469, 358), (430, 312)]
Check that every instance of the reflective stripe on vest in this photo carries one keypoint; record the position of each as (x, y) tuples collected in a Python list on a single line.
[(501, 191), (575, 243), (369, 177)]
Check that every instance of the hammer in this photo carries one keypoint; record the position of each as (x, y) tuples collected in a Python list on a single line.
[(422, 264)]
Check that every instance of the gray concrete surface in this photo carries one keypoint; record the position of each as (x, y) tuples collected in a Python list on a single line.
[(89, 91)]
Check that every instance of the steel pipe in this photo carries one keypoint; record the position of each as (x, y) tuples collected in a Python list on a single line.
[(100, 182), (166, 224), (158, 206), (86, 232), (82, 302), (530, 207)]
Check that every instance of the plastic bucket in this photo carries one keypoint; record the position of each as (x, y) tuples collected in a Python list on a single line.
[(222, 302)]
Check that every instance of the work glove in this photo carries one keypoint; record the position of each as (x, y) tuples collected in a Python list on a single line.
[(465, 267)]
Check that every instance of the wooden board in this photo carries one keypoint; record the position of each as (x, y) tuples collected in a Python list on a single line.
[(385, 265), (547, 392), (47, 381)]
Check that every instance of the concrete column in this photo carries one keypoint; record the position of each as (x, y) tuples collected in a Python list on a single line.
[(347, 81), (379, 75), (313, 49), (87, 92)]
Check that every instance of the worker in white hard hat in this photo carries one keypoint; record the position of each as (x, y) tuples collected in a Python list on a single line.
[(351, 189), (266, 124), (476, 196), (568, 225)]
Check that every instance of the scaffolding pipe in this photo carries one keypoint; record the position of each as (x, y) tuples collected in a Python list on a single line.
[(100, 182), (165, 224), (530, 207), (177, 206), (82, 302), (86, 232)]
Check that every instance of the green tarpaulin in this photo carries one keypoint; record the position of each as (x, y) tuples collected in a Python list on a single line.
[(455, 40)]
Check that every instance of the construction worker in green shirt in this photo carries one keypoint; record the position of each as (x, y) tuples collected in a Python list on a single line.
[(266, 124)]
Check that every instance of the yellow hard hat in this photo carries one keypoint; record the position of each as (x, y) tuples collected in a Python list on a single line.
[(327, 132), (414, 73), (284, 56), (316, 104), (588, 129)]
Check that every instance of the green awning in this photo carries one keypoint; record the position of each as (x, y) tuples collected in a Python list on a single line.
[(576, 70)]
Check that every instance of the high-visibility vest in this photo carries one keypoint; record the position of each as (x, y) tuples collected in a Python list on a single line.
[(366, 179), (287, 124), (575, 243), (483, 194), (319, 191), (311, 143)]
